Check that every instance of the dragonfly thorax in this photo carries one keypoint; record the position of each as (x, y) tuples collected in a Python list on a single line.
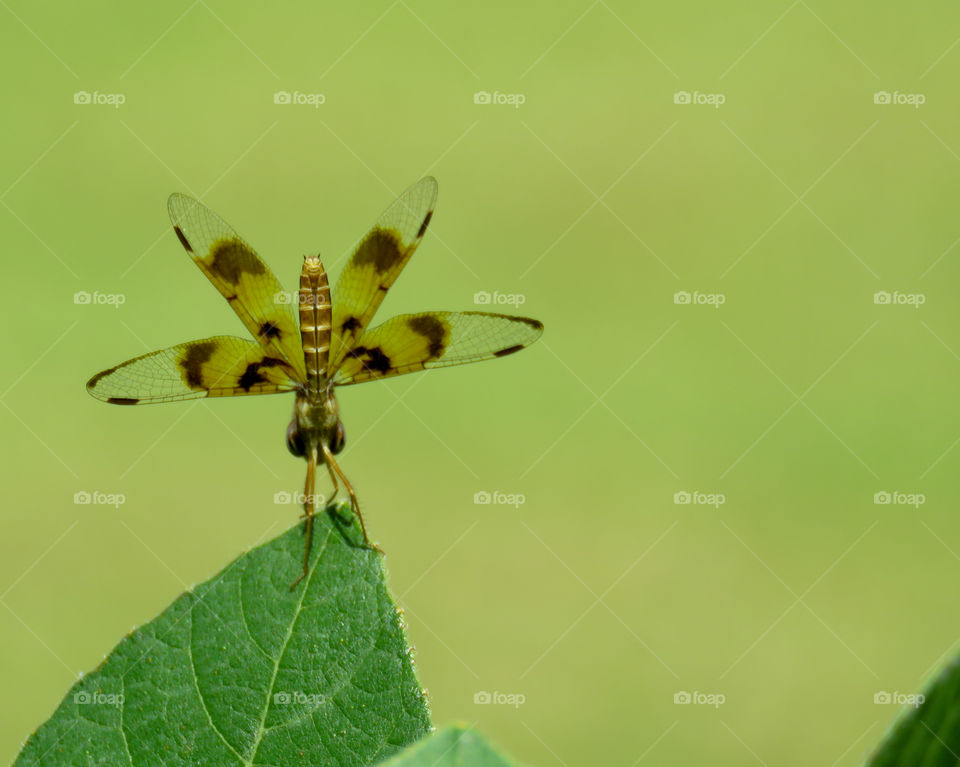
[(316, 421)]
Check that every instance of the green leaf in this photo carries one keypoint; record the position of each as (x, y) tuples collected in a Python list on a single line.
[(454, 746), (242, 671), (928, 736)]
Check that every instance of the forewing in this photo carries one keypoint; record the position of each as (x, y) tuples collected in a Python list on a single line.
[(222, 366), (411, 342), (376, 264), (242, 278)]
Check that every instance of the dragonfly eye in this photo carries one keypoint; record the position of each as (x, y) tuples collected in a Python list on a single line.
[(295, 440), (339, 439)]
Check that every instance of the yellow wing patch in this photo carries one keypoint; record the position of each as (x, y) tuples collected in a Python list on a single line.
[(222, 366), (411, 342), (376, 264), (242, 278)]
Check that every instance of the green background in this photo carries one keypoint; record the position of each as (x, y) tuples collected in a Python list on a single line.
[(598, 199)]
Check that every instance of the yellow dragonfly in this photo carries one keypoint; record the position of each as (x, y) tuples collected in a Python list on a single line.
[(310, 342)]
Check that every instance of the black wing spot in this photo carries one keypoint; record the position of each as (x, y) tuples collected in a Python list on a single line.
[(193, 361), (269, 330), (425, 224), (252, 375), (508, 350), (183, 240), (381, 248), (102, 374), (433, 330), (373, 359), (350, 324), (230, 259), (122, 400)]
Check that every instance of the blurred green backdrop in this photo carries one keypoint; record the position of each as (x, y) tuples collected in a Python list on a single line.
[(803, 177)]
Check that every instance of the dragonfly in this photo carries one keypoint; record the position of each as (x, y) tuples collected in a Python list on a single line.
[(311, 342)]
